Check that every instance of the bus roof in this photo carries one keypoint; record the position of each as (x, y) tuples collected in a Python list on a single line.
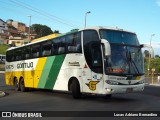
[(46, 37), (38, 40), (106, 27), (72, 31)]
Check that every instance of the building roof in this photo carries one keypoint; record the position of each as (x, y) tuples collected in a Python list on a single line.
[(2, 20)]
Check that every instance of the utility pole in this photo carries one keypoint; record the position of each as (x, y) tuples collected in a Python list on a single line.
[(29, 33), (86, 18), (150, 54)]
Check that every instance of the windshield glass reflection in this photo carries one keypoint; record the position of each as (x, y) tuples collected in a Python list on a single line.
[(126, 55), (125, 60)]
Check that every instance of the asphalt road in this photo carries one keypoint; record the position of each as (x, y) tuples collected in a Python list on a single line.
[(43, 100)]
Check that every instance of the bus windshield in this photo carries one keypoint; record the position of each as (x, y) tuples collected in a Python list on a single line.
[(119, 37), (126, 56)]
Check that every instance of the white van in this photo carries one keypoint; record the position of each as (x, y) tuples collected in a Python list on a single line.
[(2, 58)]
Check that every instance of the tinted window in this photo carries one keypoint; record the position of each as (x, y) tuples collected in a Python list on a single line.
[(73, 43), (119, 37), (125, 59), (27, 53), (46, 48), (14, 55), (59, 46), (9, 56), (18, 54), (36, 50), (92, 50)]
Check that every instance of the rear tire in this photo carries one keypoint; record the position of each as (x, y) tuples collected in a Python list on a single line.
[(16, 84), (22, 85), (75, 88)]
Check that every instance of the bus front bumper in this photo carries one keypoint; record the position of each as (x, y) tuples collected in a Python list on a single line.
[(113, 89)]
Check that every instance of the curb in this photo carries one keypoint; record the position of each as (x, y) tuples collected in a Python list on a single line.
[(154, 84), (2, 94)]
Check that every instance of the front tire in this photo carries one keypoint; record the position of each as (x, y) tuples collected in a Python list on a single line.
[(75, 88), (108, 96)]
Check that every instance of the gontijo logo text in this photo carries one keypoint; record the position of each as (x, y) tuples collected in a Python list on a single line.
[(20, 65)]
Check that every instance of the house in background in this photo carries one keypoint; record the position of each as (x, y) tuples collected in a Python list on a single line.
[(21, 27), (4, 34), (18, 33), (14, 33)]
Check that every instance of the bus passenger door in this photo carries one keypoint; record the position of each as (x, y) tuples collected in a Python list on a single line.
[(93, 70), (93, 56), (97, 68)]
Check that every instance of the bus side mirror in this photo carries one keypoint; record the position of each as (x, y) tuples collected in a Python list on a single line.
[(107, 47), (141, 46), (151, 51)]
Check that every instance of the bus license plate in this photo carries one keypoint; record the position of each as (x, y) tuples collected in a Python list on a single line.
[(128, 90)]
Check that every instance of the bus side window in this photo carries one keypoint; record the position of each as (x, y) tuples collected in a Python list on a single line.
[(96, 56), (18, 54), (62, 46), (9, 56), (73, 43), (59, 46), (55, 47), (46, 48), (27, 54), (36, 49), (13, 56)]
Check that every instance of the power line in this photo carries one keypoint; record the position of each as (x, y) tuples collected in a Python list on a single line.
[(6, 7), (43, 13)]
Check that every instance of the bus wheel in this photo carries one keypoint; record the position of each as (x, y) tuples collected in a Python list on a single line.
[(16, 84), (75, 88), (22, 85), (108, 96)]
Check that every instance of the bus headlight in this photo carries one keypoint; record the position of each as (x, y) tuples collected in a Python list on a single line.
[(111, 82)]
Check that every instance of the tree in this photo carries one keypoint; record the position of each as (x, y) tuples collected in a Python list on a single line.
[(56, 31), (155, 63), (41, 30), (146, 53), (157, 56)]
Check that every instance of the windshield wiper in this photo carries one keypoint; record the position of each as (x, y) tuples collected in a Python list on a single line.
[(132, 61)]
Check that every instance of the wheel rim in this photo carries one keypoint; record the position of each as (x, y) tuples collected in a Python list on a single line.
[(22, 85), (16, 84)]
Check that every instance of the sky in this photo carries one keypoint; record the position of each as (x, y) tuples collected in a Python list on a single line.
[(139, 16)]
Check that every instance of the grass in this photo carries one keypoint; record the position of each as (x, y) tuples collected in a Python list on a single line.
[(2, 67), (3, 49)]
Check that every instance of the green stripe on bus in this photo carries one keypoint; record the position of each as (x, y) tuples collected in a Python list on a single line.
[(45, 72), (54, 71)]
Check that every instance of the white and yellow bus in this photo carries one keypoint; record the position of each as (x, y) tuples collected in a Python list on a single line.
[(96, 60)]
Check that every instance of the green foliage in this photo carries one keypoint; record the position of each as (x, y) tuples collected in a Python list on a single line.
[(154, 63), (146, 52), (3, 48), (41, 30), (56, 31), (157, 56)]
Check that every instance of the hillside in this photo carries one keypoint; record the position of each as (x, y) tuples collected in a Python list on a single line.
[(3, 48)]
